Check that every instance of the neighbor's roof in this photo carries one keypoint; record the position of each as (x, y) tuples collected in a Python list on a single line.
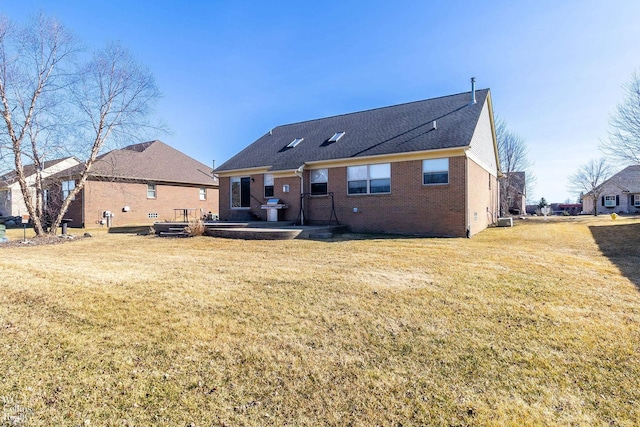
[(12, 176), (628, 179), (388, 130), (149, 161)]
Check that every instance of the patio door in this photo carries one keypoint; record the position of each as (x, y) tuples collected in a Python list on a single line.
[(241, 192)]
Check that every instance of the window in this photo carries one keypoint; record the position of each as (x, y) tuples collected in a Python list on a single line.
[(67, 187), (369, 179), (295, 142), (151, 191), (203, 193), (319, 179), (609, 201), (636, 200), (436, 171), (268, 185), (153, 215)]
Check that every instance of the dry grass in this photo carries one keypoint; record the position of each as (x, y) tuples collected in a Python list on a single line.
[(533, 325)]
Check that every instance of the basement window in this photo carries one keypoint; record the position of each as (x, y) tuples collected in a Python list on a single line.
[(295, 142), (336, 136)]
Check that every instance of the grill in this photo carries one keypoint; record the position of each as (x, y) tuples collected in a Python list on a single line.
[(272, 207)]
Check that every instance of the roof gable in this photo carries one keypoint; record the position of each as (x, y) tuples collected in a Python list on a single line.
[(29, 170), (627, 180), (389, 130)]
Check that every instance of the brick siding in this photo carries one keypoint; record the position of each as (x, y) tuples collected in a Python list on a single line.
[(100, 196), (410, 207)]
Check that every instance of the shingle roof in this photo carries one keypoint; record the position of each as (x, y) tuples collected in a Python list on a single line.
[(149, 161), (11, 176), (388, 130), (627, 179)]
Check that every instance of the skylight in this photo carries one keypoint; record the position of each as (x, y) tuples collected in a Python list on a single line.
[(336, 136), (295, 142)]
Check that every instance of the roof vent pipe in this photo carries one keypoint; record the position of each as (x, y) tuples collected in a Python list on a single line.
[(473, 90)]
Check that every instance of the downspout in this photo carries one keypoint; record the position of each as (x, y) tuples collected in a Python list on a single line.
[(466, 195), (300, 175)]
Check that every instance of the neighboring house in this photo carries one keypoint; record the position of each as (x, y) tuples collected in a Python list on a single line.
[(513, 192), (619, 194), (138, 184), (11, 198), (427, 168)]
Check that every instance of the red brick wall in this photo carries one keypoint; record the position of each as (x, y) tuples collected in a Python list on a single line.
[(102, 196), (292, 198), (410, 208)]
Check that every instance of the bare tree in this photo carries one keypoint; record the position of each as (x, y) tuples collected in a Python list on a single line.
[(624, 137), (54, 101), (588, 180), (513, 154)]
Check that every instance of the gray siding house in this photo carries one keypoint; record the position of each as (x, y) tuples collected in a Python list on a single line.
[(620, 194)]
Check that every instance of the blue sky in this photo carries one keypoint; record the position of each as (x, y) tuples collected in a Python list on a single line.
[(231, 70)]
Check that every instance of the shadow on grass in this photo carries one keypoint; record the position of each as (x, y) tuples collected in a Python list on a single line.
[(619, 243)]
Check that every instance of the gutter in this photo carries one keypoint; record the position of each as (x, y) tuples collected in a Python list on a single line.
[(299, 174)]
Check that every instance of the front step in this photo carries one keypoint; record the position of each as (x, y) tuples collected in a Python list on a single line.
[(174, 232)]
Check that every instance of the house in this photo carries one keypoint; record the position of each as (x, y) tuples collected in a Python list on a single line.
[(11, 199), (428, 168), (513, 191), (619, 194), (139, 184)]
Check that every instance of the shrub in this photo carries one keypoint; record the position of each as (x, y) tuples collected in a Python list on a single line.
[(195, 228)]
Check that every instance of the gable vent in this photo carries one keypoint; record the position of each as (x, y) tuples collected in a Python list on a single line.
[(295, 142), (336, 136)]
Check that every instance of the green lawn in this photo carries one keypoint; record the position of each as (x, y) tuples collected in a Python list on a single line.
[(538, 324)]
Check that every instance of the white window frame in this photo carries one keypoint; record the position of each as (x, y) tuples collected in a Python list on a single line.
[(67, 187), (152, 190), (636, 200), (203, 193), (319, 176), (437, 167), (269, 184), (609, 201), (369, 174)]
